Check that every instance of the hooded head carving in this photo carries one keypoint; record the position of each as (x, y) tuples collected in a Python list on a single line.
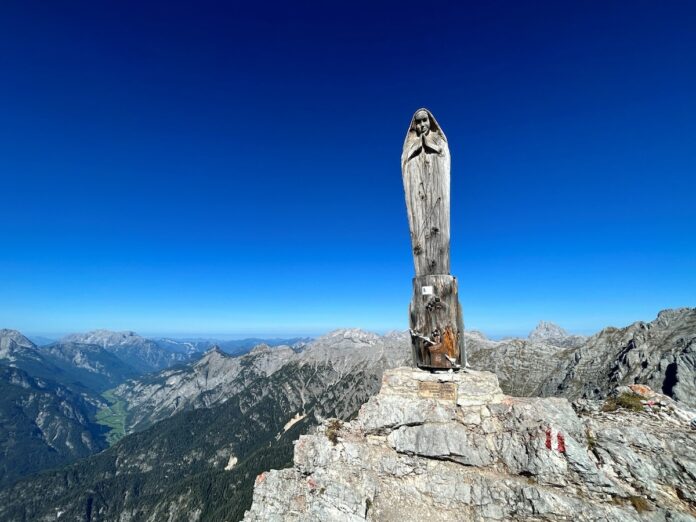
[(424, 135)]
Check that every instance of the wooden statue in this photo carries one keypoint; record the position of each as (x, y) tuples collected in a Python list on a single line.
[(435, 313)]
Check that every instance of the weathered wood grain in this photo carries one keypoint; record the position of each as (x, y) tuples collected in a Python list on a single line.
[(425, 165), (435, 313), (433, 319)]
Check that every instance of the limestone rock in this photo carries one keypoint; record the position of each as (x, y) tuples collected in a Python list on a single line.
[(453, 447), (660, 354)]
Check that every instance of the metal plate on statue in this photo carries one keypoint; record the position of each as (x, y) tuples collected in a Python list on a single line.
[(428, 290), (446, 391)]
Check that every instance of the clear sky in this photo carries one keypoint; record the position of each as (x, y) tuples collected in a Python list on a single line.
[(233, 167)]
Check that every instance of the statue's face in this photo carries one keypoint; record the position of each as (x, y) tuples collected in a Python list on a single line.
[(422, 123)]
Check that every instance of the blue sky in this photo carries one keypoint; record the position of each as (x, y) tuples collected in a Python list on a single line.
[(224, 168)]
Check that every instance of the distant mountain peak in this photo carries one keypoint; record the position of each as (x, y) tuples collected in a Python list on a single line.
[(211, 355), (16, 336), (547, 330), (214, 351), (12, 342), (143, 354), (260, 348), (478, 334), (103, 336), (351, 334)]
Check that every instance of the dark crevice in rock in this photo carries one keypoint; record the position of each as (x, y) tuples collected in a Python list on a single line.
[(386, 430), (671, 380)]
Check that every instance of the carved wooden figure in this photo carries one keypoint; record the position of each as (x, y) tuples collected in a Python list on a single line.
[(435, 313)]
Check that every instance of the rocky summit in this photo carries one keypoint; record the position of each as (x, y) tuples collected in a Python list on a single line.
[(550, 333), (660, 353), (195, 436), (454, 447)]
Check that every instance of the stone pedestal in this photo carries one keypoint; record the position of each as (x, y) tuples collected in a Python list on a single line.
[(469, 388), (451, 446)]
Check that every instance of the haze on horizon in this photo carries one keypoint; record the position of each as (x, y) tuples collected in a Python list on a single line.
[(170, 168), (266, 334)]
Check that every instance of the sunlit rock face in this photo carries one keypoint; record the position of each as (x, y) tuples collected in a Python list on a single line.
[(144, 355), (661, 354), (14, 344), (454, 447), (217, 377)]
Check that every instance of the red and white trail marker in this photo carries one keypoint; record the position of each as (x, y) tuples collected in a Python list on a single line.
[(555, 440)]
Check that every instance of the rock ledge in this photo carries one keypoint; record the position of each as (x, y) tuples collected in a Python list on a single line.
[(451, 446)]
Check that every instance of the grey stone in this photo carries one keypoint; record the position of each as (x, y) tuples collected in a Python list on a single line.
[(451, 440), (430, 459), (660, 354)]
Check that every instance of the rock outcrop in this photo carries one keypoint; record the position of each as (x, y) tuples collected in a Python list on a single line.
[(454, 447), (661, 354)]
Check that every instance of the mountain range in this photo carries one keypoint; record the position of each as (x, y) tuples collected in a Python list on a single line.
[(660, 353), (195, 435), (54, 408)]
